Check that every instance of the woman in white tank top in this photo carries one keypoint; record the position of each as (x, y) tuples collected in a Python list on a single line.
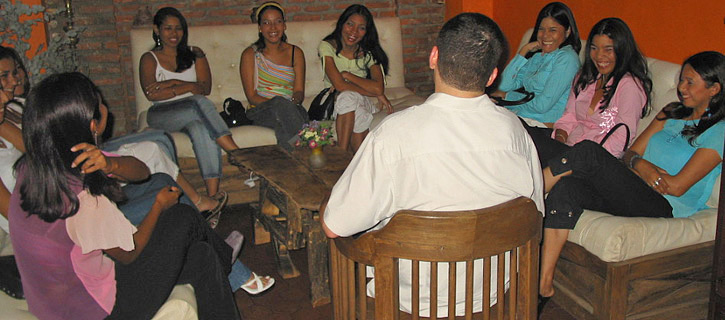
[(177, 78)]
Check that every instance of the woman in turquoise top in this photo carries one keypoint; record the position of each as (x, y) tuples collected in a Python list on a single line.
[(546, 67), (669, 171), (355, 66)]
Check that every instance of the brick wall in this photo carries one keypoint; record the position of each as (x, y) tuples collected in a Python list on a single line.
[(105, 55)]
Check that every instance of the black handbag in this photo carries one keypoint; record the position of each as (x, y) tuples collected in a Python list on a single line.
[(528, 97), (616, 126), (234, 114), (322, 105)]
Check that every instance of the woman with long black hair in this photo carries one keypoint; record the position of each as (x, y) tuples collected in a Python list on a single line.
[(355, 64)]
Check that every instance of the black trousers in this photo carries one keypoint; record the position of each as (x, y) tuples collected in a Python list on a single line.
[(600, 182), (181, 250), (546, 147)]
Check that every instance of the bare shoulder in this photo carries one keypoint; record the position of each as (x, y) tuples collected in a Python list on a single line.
[(298, 51), (146, 56), (198, 53), (248, 51)]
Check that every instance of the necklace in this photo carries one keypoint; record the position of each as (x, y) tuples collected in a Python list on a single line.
[(676, 134)]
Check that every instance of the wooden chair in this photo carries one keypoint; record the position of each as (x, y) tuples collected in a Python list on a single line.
[(513, 227)]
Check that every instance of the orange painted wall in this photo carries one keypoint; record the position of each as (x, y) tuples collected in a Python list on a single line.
[(669, 30), (38, 34)]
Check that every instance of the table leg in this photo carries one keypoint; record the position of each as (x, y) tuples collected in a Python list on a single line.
[(317, 261), (261, 235), (285, 266)]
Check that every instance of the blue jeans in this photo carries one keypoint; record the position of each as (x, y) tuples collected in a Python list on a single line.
[(142, 195), (197, 117), (239, 275), (159, 137)]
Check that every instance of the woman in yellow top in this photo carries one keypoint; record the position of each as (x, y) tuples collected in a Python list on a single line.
[(354, 65)]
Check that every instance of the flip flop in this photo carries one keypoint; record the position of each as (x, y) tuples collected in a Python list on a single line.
[(212, 216), (260, 286)]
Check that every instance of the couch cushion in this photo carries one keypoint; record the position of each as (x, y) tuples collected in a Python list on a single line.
[(615, 239)]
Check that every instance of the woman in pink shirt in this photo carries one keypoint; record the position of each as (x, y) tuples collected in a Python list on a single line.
[(612, 88), (78, 256)]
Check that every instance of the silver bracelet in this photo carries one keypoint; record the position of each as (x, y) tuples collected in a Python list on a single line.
[(636, 156)]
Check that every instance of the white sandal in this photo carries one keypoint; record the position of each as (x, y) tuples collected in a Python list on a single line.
[(256, 285)]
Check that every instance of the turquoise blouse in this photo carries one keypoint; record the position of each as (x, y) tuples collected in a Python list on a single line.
[(670, 150), (549, 76)]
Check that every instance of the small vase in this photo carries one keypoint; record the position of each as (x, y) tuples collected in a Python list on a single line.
[(317, 158)]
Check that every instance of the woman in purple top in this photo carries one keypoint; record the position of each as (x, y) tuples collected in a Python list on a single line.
[(78, 256)]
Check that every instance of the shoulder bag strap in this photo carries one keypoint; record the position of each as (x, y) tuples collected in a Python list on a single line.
[(616, 126)]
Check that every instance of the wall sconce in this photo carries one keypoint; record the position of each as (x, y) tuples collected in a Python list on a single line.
[(72, 35)]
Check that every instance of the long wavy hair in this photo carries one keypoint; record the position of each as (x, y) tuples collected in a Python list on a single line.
[(184, 56), (370, 43), (57, 116), (710, 65), (563, 16), (629, 60), (257, 15)]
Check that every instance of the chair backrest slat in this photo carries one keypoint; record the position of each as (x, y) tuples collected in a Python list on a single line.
[(503, 238), (451, 291), (415, 292)]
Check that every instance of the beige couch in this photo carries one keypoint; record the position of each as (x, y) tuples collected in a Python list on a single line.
[(223, 46), (650, 268)]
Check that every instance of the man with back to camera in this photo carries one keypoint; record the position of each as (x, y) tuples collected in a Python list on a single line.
[(456, 151)]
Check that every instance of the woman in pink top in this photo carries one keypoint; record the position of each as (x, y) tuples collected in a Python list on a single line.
[(78, 256), (613, 87)]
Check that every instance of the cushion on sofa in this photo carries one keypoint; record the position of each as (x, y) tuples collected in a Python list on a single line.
[(181, 304), (615, 239)]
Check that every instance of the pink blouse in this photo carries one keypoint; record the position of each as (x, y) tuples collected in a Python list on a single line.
[(98, 225), (625, 107)]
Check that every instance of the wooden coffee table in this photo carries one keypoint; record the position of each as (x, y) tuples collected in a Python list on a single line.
[(287, 181)]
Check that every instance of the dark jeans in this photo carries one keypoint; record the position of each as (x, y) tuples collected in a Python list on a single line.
[(281, 115), (182, 249), (600, 182)]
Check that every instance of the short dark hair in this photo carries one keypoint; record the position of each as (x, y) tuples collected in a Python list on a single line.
[(563, 16), (470, 47)]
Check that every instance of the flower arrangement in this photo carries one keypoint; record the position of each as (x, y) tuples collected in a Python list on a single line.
[(315, 134)]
